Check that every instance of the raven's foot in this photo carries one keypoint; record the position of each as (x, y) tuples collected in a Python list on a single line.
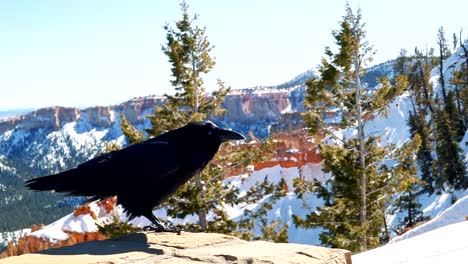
[(158, 228)]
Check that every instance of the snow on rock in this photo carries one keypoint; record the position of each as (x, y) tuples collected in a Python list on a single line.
[(287, 110), (83, 220), (447, 244), (5, 168), (79, 226), (10, 236), (54, 231)]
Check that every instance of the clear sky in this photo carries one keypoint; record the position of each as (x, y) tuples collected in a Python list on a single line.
[(101, 52)]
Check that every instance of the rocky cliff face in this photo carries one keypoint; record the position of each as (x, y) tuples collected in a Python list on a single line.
[(246, 110), (56, 138), (257, 111), (54, 118)]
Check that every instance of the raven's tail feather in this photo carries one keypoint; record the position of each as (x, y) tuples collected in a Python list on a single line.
[(48, 183), (64, 182), (71, 182)]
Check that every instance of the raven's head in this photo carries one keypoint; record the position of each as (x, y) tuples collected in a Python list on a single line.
[(210, 131)]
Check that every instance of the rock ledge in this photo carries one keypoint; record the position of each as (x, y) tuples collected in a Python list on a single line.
[(185, 248)]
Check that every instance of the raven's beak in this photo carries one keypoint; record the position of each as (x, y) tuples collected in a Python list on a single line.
[(227, 135)]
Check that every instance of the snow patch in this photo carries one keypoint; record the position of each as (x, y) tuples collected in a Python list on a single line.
[(453, 214), (447, 244)]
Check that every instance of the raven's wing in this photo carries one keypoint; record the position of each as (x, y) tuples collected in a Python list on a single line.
[(144, 163)]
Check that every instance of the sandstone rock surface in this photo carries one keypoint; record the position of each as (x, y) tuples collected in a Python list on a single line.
[(185, 248)]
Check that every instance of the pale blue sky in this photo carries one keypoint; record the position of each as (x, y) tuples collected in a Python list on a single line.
[(90, 52)]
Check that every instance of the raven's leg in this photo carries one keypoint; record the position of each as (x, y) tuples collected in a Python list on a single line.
[(158, 226)]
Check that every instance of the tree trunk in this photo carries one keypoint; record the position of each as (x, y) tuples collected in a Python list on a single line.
[(362, 162), (465, 49), (441, 72), (202, 212), (459, 108), (386, 231), (425, 88), (410, 209)]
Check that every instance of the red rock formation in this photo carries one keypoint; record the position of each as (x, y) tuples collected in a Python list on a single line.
[(35, 227), (98, 116), (84, 209), (108, 204), (29, 244), (294, 149), (46, 118), (54, 118), (246, 105)]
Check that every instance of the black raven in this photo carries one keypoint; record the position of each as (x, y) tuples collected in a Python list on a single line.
[(142, 175)]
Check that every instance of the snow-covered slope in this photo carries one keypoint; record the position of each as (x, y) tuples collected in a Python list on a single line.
[(447, 244), (440, 240), (458, 212)]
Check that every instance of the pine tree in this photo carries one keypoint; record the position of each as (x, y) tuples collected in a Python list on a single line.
[(255, 225), (463, 79), (444, 53), (188, 51), (449, 97), (420, 128), (352, 215), (424, 106), (340, 218), (407, 202), (408, 185), (450, 165), (419, 80), (464, 45), (439, 124), (402, 63), (132, 134), (456, 120), (458, 83)]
